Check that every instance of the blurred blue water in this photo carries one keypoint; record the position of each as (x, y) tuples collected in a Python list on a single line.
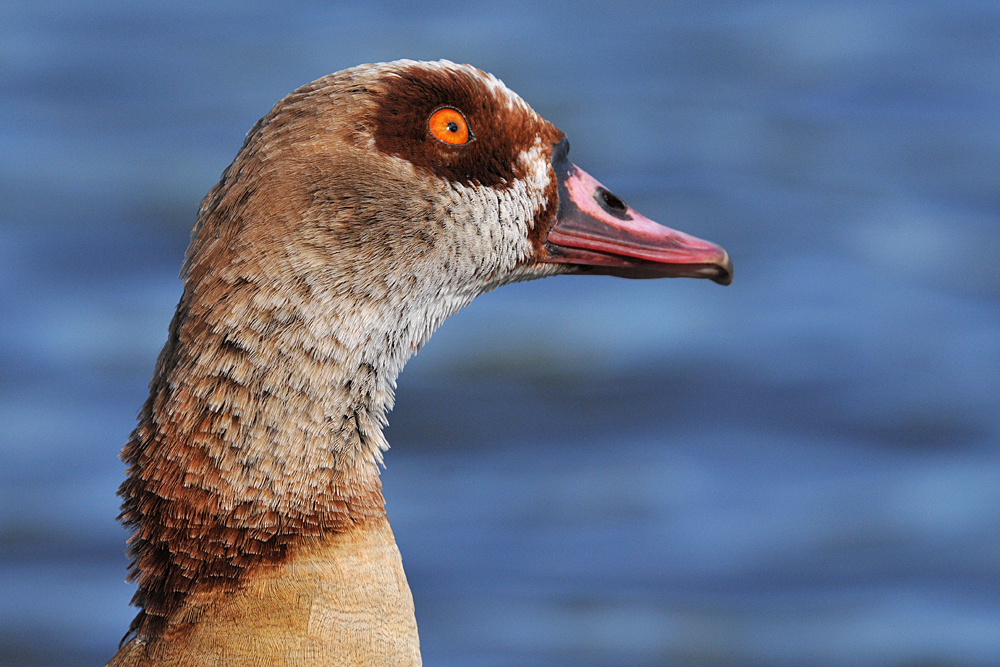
[(800, 469)]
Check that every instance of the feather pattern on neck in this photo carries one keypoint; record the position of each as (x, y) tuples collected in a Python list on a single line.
[(316, 269)]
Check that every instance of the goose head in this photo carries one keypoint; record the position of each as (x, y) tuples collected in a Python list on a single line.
[(417, 186), (373, 203)]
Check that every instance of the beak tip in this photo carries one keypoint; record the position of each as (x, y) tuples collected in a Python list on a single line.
[(724, 274)]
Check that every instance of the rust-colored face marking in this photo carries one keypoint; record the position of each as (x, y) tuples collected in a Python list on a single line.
[(500, 130)]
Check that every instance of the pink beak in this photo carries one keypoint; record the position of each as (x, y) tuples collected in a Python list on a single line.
[(594, 228)]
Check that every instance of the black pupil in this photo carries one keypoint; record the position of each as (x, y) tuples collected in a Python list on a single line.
[(453, 126)]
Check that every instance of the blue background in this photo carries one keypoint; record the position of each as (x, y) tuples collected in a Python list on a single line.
[(800, 469)]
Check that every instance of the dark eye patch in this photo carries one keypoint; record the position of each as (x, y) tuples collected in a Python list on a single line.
[(409, 96)]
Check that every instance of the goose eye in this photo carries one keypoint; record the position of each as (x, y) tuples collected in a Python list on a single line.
[(448, 125)]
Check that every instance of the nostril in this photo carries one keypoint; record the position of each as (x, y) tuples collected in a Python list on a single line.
[(610, 202), (613, 201)]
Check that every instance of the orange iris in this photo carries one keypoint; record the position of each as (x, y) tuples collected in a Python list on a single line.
[(448, 125)]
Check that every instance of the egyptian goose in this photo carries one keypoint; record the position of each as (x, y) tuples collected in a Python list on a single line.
[(363, 210)]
